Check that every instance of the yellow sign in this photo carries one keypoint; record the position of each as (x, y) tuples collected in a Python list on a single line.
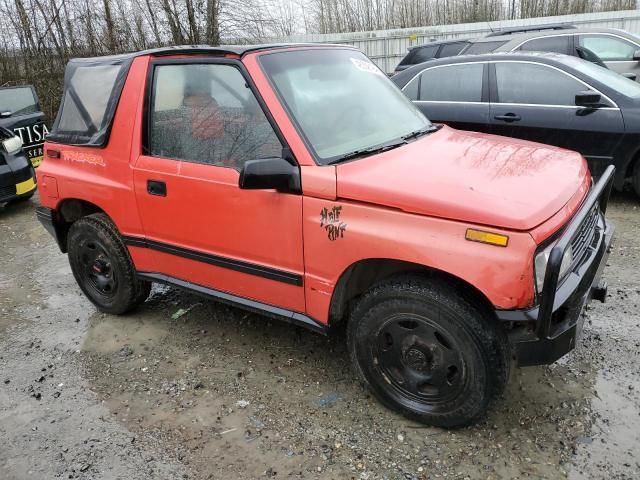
[(36, 161)]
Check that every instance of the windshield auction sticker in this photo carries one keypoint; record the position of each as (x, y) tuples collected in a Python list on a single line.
[(365, 66)]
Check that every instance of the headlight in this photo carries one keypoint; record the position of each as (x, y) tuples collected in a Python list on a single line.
[(542, 259), (12, 145)]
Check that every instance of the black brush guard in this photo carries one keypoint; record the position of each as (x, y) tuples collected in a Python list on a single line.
[(551, 328)]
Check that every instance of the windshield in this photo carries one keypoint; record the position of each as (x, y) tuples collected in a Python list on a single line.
[(18, 101), (341, 102), (613, 80)]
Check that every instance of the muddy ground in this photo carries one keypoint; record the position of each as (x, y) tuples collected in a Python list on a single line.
[(216, 393)]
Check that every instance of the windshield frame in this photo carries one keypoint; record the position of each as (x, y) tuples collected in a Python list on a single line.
[(36, 100), (336, 159)]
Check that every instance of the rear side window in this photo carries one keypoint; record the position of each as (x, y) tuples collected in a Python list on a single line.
[(483, 47), (91, 93), (18, 101), (608, 48), (454, 83), (451, 49), (559, 44), (536, 84), (206, 113), (85, 101), (420, 54)]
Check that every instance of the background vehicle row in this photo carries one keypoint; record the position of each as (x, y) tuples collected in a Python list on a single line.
[(545, 97)]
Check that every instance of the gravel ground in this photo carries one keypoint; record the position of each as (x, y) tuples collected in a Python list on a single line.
[(186, 388)]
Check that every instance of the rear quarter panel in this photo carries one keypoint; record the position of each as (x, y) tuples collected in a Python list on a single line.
[(101, 176)]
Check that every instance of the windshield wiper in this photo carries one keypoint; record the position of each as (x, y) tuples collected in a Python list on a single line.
[(369, 151), (420, 132)]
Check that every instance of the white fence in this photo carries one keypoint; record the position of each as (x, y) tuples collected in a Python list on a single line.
[(387, 47)]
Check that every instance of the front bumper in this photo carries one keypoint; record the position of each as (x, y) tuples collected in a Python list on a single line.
[(546, 332), (14, 185)]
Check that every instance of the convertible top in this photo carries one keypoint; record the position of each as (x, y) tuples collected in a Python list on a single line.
[(93, 85), (195, 50)]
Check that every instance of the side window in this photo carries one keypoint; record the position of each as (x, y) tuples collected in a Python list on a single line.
[(483, 47), (423, 54), (608, 48), (529, 83), (411, 88), (559, 44), (207, 113), (451, 49), (454, 83)]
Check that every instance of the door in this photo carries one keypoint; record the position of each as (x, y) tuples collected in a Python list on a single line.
[(618, 54), (452, 94), (535, 101), (203, 123)]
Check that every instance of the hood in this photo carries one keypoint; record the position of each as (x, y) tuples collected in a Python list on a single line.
[(472, 177)]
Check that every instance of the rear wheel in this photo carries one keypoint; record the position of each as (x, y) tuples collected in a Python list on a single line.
[(102, 266), (427, 352)]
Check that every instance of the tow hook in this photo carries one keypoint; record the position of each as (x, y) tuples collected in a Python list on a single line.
[(599, 292)]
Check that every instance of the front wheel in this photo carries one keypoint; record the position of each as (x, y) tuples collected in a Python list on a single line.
[(102, 266), (427, 352), (635, 179)]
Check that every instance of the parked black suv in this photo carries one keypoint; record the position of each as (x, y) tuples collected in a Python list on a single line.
[(545, 97), (17, 177), (431, 50), (20, 113)]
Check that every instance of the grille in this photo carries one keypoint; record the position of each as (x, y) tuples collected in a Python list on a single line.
[(585, 238), (8, 191)]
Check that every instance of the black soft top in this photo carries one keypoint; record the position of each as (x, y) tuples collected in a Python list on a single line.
[(194, 50), (93, 85)]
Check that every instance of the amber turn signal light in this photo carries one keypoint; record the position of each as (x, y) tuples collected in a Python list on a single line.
[(486, 237)]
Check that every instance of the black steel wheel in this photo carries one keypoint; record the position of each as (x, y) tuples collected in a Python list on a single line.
[(427, 352), (102, 266), (97, 270)]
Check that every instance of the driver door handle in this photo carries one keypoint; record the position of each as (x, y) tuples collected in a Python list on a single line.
[(508, 117), (156, 187)]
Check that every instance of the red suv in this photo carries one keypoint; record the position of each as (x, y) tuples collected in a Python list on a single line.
[(299, 182)]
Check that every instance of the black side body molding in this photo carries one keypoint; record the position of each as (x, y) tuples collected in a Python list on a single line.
[(218, 261), (289, 316)]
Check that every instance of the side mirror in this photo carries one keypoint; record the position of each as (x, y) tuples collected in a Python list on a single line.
[(636, 55), (589, 99), (5, 114), (270, 173), (630, 76)]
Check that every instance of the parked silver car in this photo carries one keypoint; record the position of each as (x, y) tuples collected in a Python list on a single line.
[(617, 49)]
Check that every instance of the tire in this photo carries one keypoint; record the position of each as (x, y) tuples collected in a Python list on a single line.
[(427, 352), (635, 180), (102, 266)]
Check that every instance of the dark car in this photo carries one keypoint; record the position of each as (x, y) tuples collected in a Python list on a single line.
[(17, 177), (431, 50), (545, 97), (617, 49), (20, 112)]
